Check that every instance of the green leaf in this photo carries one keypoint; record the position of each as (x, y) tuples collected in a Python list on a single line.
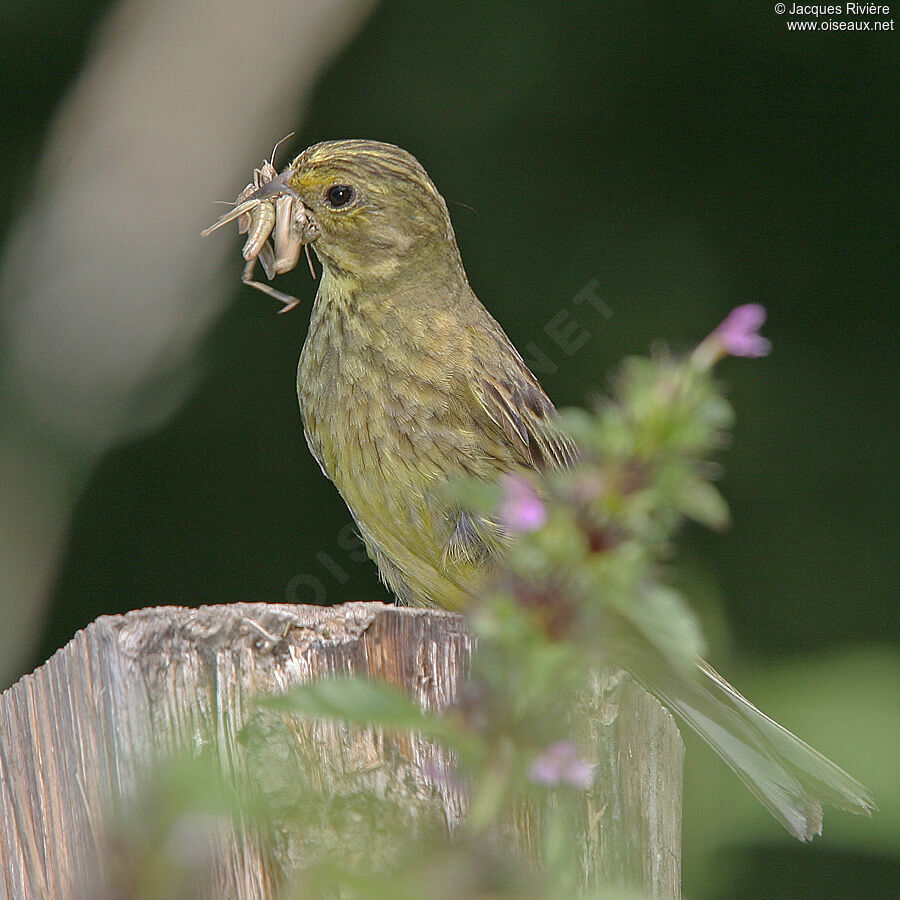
[(702, 502), (661, 615), (579, 424), (359, 701), (471, 494)]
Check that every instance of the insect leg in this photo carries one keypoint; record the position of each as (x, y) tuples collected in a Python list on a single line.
[(267, 258), (288, 301), (262, 221), (241, 209)]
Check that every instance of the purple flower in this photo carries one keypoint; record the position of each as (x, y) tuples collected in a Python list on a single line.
[(520, 509), (561, 764), (739, 333)]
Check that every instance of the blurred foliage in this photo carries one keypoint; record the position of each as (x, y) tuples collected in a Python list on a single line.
[(586, 580), (682, 158), (583, 572)]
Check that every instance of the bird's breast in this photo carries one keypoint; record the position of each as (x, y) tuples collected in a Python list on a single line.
[(388, 408), (383, 397)]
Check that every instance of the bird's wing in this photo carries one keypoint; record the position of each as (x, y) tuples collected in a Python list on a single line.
[(518, 406), (526, 436)]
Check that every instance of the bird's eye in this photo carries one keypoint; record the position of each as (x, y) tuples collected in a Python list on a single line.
[(339, 195)]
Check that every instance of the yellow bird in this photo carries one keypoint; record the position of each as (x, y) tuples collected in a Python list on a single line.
[(406, 381)]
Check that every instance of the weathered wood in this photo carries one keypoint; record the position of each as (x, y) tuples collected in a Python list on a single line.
[(80, 736)]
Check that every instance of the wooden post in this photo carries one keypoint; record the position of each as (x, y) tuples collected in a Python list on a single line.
[(80, 736)]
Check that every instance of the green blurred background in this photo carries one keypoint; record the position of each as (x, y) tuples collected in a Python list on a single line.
[(676, 159)]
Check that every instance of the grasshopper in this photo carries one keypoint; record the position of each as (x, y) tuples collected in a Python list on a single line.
[(268, 208)]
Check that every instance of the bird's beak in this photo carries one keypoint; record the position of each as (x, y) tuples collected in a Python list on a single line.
[(278, 185)]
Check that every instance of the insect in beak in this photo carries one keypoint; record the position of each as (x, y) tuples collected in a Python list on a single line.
[(267, 208)]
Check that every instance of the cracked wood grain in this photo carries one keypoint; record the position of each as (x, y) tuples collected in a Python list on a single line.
[(80, 735)]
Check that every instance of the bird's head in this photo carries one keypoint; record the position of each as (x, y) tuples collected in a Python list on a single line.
[(376, 209)]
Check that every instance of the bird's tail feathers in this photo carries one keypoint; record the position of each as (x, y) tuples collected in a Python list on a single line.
[(790, 778)]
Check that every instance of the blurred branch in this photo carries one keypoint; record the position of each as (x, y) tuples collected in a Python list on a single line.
[(106, 289)]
